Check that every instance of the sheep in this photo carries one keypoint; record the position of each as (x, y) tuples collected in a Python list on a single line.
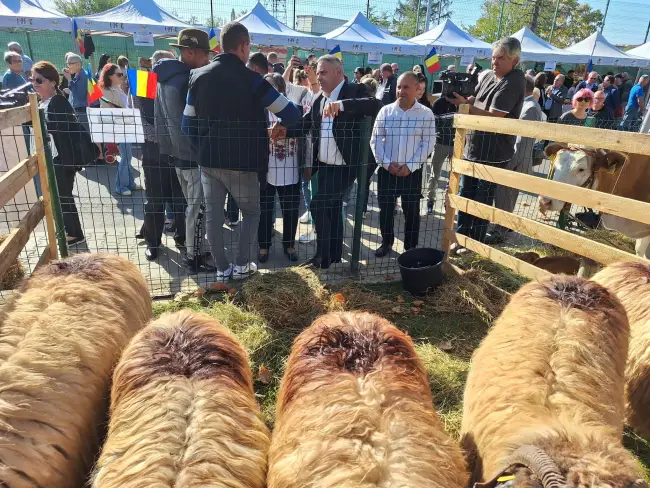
[(355, 411), (544, 395), (630, 282), (61, 334), (183, 411)]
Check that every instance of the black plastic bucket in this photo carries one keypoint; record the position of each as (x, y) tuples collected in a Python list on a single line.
[(421, 269)]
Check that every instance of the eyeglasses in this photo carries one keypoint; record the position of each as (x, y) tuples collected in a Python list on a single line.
[(583, 99)]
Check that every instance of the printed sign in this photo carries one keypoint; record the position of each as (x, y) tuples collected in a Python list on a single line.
[(549, 66), (143, 39), (115, 125), (466, 60), (374, 58)]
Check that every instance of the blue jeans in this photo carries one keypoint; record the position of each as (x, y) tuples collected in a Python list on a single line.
[(630, 119), (306, 192), (124, 179)]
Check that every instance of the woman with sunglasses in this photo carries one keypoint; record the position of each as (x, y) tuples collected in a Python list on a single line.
[(581, 102), (111, 82), (72, 149)]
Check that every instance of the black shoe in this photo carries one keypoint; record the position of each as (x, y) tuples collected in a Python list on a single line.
[(315, 263), (429, 206), (76, 240), (196, 265), (263, 257), (140, 233), (293, 256), (151, 253), (179, 242), (384, 250)]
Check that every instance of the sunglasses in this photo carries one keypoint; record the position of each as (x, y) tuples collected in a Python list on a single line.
[(583, 99), (38, 81)]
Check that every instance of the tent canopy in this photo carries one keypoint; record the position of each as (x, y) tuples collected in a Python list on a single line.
[(359, 35), (266, 30), (30, 14), (534, 48), (642, 51), (133, 16), (449, 39), (601, 51)]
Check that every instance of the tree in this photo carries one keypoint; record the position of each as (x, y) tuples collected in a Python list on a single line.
[(381, 19), (77, 8), (406, 16), (574, 22), (193, 20)]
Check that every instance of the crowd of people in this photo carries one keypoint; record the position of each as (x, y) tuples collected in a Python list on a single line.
[(224, 136)]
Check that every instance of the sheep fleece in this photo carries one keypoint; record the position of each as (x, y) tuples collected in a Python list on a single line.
[(355, 411), (183, 411), (60, 336)]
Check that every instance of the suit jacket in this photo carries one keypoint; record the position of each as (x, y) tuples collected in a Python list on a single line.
[(347, 128), (523, 157), (558, 95)]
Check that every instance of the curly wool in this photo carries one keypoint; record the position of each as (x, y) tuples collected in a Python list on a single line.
[(183, 411), (550, 373), (60, 336), (630, 282), (355, 411)]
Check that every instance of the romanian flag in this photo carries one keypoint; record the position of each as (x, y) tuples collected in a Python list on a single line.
[(78, 38), (336, 52), (142, 83), (432, 62), (214, 41), (94, 92)]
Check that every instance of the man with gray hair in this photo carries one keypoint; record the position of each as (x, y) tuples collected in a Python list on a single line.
[(13, 77), (558, 94), (500, 93), (78, 85), (27, 61), (161, 54)]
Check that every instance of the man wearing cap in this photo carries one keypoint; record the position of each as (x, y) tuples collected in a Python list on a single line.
[(173, 78)]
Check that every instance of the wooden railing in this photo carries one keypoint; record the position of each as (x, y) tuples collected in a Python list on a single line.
[(15, 180), (625, 142)]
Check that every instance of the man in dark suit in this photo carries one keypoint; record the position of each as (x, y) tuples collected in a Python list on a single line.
[(335, 122), (387, 91)]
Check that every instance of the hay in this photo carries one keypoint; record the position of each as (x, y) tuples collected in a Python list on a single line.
[(14, 274), (287, 299), (611, 238), (353, 296)]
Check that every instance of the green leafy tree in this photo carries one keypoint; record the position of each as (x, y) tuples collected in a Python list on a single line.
[(77, 8), (407, 21), (574, 22), (381, 19), (218, 22)]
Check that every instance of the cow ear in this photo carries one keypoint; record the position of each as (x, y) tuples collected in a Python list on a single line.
[(553, 148), (613, 160)]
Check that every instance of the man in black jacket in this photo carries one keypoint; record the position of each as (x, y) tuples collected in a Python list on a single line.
[(335, 121), (387, 91)]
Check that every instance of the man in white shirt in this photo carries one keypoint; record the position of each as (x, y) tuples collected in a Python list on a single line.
[(402, 139)]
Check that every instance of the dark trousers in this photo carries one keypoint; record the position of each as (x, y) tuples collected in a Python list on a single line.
[(161, 187), (372, 166), (65, 183), (326, 209), (232, 209), (410, 189), (289, 203), (480, 191)]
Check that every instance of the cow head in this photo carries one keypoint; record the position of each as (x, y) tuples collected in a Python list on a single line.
[(578, 167)]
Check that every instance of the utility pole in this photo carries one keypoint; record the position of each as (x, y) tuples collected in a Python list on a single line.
[(368, 9), (534, 22), (417, 19), (646, 33), (211, 14), (602, 26), (428, 21), (503, 7), (557, 7)]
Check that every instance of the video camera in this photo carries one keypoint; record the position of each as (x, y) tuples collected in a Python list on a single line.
[(462, 83), (14, 97)]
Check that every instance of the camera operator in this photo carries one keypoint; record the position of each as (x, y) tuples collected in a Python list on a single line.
[(500, 93)]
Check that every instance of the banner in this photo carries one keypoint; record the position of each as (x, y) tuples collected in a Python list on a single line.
[(549, 66), (375, 58), (143, 39), (466, 60), (115, 125)]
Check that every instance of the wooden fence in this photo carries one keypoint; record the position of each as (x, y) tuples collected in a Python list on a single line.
[(625, 142), (15, 180)]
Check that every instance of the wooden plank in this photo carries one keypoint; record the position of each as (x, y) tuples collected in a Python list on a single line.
[(511, 262), (44, 259), (597, 251), (12, 246), (12, 117), (16, 178), (45, 182), (628, 142), (605, 202), (454, 186)]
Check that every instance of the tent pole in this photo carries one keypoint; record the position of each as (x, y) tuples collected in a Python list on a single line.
[(503, 8), (646, 33), (294, 14), (557, 7), (602, 26)]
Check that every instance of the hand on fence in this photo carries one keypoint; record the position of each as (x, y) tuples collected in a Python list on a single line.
[(277, 132), (331, 110)]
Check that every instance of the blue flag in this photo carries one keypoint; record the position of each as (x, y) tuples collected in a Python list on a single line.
[(590, 68)]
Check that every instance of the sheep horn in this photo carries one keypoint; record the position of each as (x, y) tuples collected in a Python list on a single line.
[(540, 464)]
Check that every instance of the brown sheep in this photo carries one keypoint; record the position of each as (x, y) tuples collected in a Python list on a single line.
[(183, 411), (630, 282), (545, 391), (355, 411), (553, 264), (61, 334)]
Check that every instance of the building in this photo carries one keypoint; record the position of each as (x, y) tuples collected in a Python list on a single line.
[(317, 25)]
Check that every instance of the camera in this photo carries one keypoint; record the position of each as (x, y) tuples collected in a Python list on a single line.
[(462, 83), (14, 97)]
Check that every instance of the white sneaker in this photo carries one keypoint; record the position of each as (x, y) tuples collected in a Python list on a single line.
[(126, 193), (224, 276), (242, 272), (305, 218), (308, 237)]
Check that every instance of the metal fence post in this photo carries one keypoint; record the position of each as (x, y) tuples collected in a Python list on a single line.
[(54, 190), (361, 195)]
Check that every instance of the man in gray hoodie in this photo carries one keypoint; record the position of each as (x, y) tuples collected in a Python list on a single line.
[(171, 93)]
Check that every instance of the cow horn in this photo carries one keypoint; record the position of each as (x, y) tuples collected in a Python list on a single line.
[(540, 464)]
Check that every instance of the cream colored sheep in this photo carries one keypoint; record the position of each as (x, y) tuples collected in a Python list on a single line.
[(355, 411), (60, 336), (183, 411), (545, 390)]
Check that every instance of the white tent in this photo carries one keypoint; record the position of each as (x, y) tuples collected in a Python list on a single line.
[(601, 51), (359, 35), (534, 48), (642, 51), (265, 30), (451, 40), (30, 14), (134, 16)]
